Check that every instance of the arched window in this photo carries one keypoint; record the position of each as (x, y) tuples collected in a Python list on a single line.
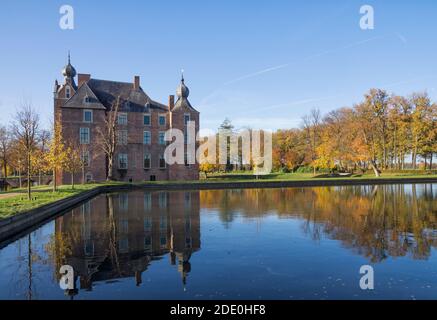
[(67, 92)]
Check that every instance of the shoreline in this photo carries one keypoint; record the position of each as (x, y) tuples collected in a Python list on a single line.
[(13, 227)]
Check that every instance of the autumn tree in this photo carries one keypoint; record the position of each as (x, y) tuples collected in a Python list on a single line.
[(421, 125), (56, 154), (5, 149), (73, 162), (311, 127)]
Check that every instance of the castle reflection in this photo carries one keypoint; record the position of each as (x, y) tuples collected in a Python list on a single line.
[(119, 235)]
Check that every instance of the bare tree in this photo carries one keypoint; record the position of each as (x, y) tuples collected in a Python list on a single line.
[(25, 130), (43, 148), (107, 137), (5, 149)]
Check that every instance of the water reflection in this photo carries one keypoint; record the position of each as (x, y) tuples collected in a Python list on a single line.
[(254, 241), (373, 221), (119, 235)]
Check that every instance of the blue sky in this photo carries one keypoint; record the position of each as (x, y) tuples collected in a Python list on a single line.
[(263, 64)]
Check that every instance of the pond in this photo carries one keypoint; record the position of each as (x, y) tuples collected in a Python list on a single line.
[(291, 243)]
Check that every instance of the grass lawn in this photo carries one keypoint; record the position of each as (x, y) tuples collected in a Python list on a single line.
[(234, 177), (18, 201)]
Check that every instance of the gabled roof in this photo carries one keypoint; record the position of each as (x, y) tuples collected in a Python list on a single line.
[(77, 100), (183, 104), (106, 92)]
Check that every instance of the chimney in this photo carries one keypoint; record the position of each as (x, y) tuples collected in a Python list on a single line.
[(170, 102), (82, 78), (136, 82)]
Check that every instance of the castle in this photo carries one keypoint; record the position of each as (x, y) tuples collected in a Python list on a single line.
[(83, 109)]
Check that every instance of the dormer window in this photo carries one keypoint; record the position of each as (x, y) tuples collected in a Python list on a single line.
[(67, 92), (86, 100), (88, 116), (186, 118)]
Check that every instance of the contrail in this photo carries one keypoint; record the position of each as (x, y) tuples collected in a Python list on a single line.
[(316, 55), (286, 65), (294, 103)]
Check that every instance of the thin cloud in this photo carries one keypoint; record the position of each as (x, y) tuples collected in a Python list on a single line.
[(316, 55)]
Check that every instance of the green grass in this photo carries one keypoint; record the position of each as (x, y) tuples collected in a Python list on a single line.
[(234, 177), (43, 195)]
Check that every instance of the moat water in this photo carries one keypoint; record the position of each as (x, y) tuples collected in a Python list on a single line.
[(291, 243)]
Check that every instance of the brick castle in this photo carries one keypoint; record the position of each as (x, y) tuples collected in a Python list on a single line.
[(82, 111)]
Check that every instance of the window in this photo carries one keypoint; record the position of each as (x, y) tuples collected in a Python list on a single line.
[(85, 158), (147, 163), (147, 137), (123, 245), (88, 177), (89, 248), (163, 223), (163, 241), (147, 201), (148, 243), (122, 119), (147, 119), (162, 164), (122, 161), (162, 119), (147, 224), (161, 137), (186, 118), (123, 201), (185, 136), (67, 92), (123, 226), (87, 116), (162, 200), (188, 243), (86, 100), (84, 135), (187, 200), (187, 164), (122, 137)]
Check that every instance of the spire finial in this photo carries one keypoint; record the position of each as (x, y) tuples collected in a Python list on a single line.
[(182, 74), (68, 56)]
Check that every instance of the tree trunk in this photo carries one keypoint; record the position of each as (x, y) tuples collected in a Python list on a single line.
[(55, 175), (430, 161), (72, 180), (375, 169), (20, 184), (414, 157), (29, 191), (5, 168), (109, 169), (83, 174)]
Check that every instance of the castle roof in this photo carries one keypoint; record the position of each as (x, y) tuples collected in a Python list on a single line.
[(103, 94)]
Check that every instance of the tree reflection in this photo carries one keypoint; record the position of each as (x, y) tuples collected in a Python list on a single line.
[(374, 221)]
